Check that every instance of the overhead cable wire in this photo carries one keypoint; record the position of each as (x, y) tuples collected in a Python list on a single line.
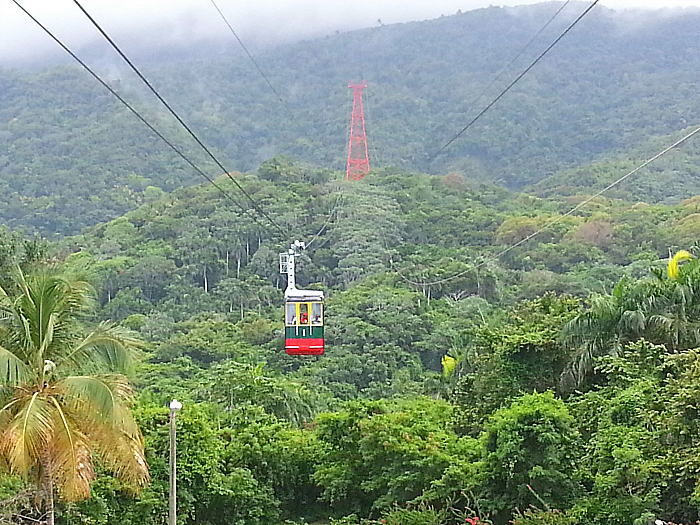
[(178, 118), (284, 103), (514, 82), (139, 116), (517, 56), (262, 73), (554, 221), (292, 113), (328, 220)]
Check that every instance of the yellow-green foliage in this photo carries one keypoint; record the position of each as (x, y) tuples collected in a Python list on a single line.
[(448, 366), (687, 229), (681, 255)]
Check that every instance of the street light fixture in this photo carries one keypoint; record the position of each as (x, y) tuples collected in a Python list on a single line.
[(175, 406)]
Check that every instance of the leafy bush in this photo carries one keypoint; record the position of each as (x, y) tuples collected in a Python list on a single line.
[(420, 516), (533, 516)]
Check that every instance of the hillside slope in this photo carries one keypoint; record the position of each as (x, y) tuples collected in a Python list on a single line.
[(186, 260), (70, 156)]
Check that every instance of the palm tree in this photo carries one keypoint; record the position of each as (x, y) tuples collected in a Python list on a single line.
[(663, 308), (65, 400), (610, 322)]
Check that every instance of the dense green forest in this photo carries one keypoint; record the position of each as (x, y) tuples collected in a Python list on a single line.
[(554, 384), (467, 378), (606, 92)]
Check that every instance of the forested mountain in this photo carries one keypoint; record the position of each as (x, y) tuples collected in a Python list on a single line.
[(473, 373), (616, 81), (434, 403), (193, 253)]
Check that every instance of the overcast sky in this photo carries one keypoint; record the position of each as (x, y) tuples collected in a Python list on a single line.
[(257, 21)]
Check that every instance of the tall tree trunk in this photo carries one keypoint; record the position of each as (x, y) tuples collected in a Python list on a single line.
[(47, 483)]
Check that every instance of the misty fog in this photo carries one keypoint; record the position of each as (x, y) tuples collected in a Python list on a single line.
[(193, 27)]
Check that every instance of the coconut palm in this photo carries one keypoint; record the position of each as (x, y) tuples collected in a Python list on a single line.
[(664, 309), (65, 401), (677, 316)]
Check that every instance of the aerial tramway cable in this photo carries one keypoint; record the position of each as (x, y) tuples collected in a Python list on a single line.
[(338, 199), (517, 55), (139, 116), (283, 102), (554, 221), (179, 119), (292, 117), (262, 73), (515, 81), (188, 129)]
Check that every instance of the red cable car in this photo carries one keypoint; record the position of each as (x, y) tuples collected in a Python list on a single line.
[(303, 311)]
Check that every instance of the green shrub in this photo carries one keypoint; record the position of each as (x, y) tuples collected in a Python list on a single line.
[(420, 516), (542, 517)]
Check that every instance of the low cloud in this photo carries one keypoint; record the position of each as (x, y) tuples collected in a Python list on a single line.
[(163, 23)]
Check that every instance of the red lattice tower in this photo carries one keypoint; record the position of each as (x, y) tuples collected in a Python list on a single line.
[(358, 160)]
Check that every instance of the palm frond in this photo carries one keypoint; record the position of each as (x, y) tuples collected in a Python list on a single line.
[(632, 321), (27, 341), (24, 437), (70, 456), (103, 348), (102, 396), (46, 302), (102, 405), (21, 282), (660, 323), (5, 412), (13, 370), (47, 335), (121, 447)]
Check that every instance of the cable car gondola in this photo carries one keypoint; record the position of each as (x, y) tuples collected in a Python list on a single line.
[(303, 311)]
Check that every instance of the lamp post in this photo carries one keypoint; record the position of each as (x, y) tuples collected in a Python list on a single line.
[(175, 405)]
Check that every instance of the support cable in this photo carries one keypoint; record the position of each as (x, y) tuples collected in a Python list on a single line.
[(250, 56), (328, 220), (262, 73), (140, 117), (554, 221), (282, 101), (517, 79), (177, 117), (517, 56), (292, 113)]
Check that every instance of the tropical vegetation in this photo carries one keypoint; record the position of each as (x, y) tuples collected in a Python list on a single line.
[(492, 356), (65, 404)]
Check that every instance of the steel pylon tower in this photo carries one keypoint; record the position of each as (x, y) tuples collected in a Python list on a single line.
[(358, 160)]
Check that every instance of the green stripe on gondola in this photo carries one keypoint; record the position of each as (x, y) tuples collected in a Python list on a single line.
[(303, 332)]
